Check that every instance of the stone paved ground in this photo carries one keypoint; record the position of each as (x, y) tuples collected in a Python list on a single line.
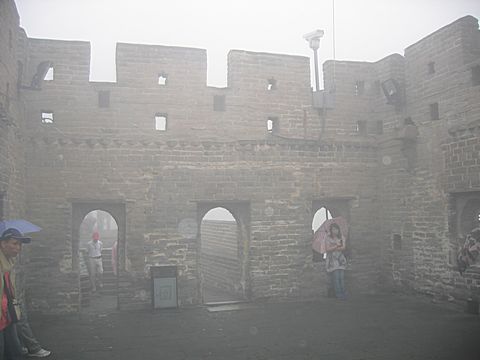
[(382, 327)]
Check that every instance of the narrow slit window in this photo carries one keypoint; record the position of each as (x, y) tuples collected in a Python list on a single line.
[(476, 75), (272, 125), (104, 99), (161, 122), (362, 127), (359, 88), (271, 84), (219, 103), (49, 74), (47, 117), (434, 112), (431, 67), (162, 79)]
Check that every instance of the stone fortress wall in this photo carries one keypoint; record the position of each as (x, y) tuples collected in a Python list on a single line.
[(158, 148)]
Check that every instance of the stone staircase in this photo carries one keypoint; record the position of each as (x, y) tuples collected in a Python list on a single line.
[(109, 279)]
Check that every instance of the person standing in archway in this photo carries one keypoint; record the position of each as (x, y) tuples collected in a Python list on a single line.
[(336, 262), (95, 264)]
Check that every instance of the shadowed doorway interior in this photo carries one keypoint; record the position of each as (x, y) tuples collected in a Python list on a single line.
[(220, 257), (108, 219), (105, 297)]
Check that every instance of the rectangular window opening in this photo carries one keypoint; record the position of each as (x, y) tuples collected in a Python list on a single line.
[(431, 67), (104, 98), (162, 79), (359, 88), (362, 127), (219, 103), (49, 74), (47, 117), (434, 112), (476, 75), (160, 122), (272, 125), (271, 84)]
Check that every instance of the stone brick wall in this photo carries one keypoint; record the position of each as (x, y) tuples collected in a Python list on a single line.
[(289, 99), (360, 101), (12, 158), (113, 153), (462, 181), (161, 182), (184, 99), (398, 168), (424, 173)]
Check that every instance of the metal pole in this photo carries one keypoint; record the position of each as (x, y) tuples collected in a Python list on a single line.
[(315, 60)]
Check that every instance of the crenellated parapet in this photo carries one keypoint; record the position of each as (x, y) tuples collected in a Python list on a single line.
[(393, 145), (179, 69)]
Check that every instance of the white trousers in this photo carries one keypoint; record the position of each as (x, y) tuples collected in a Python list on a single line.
[(96, 271)]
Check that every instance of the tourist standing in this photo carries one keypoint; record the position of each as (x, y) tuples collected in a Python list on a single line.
[(95, 265), (336, 262)]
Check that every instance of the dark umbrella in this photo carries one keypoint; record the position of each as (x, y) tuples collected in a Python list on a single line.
[(319, 236), (21, 225)]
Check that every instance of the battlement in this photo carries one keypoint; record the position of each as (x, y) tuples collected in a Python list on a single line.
[(167, 85), (70, 60), (463, 28), (147, 66), (256, 70)]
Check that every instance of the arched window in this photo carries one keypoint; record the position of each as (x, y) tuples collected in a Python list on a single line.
[(320, 216)]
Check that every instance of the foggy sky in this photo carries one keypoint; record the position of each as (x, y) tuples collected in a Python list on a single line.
[(365, 30)]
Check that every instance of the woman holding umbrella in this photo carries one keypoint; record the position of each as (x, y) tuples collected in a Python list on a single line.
[(336, 262)]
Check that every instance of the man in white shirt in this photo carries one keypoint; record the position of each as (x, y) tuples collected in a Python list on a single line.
[(94, 251)]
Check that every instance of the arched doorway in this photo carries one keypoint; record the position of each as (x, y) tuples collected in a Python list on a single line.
[(319, 218), (108, 220), (100, 293), (223, 252), (326, 209), (470, 216)]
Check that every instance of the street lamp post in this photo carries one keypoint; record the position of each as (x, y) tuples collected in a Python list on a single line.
[(313, 39)]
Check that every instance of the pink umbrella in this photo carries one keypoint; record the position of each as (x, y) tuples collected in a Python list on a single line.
[(319, 236)]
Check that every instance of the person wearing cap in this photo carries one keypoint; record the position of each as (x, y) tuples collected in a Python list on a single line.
[(11, 242), (94, 251), (29, 343)]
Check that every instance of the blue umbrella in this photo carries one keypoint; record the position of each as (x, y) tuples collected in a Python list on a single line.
[(21, 225)]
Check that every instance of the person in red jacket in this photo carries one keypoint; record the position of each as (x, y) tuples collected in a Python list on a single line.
[(11, 241)]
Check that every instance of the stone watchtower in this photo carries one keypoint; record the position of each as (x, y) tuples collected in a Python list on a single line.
[(158, 149)]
